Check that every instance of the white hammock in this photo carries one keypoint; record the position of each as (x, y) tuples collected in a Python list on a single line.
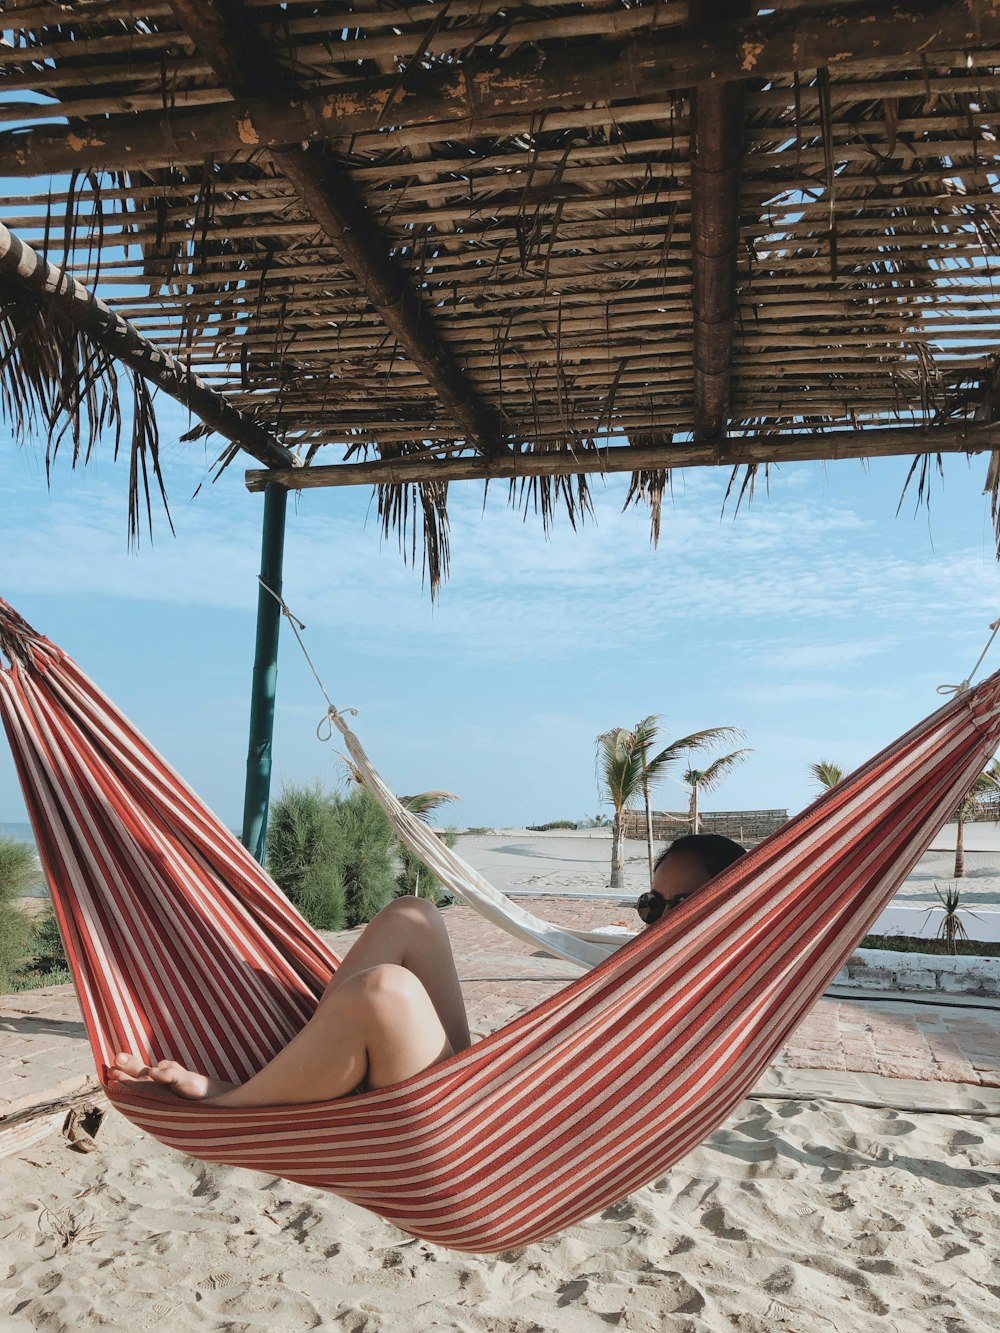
[(585, 948)]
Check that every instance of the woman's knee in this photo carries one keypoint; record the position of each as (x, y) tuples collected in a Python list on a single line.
[(389, 986), (409, 910)]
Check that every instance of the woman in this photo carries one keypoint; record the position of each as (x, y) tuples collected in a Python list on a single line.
[(393, 1009)]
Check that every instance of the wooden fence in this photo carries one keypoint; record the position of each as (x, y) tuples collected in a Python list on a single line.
[(744, 825)]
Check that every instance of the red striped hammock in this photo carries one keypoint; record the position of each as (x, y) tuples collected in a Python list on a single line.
[(181, 947)]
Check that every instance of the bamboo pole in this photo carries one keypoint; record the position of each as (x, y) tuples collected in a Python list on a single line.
[(264, 683), (59, 290), (565, 462)]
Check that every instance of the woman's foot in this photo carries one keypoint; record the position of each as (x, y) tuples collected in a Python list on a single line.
[(128, 1071)]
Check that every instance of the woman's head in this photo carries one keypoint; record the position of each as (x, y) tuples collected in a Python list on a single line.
[(688, 863)]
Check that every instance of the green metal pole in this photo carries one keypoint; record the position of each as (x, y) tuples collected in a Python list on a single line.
[(265, 674)]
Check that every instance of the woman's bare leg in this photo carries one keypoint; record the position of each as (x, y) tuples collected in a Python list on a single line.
[(378, 1026), (411, 933), (393, 1008)]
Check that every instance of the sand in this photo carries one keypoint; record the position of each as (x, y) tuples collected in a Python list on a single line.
[(807, 1212), (799, 1215)]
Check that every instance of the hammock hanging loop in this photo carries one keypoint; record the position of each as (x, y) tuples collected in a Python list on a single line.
[(16, 636), (330, 721), (964, 685)]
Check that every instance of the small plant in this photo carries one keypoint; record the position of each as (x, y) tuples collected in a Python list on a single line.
[(952, 928), (552, 824), (59, 1231)]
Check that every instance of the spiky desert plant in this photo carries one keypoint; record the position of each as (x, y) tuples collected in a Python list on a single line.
[(952, 926)]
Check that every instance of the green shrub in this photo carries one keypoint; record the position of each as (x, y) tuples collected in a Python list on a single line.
[(367, 849), (19, 873), (304, 855), (338, 859), (27, 980), (49, 952), (46, 964), (553, 823)]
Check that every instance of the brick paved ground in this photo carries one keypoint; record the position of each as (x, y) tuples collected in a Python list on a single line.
[(45, 1055)]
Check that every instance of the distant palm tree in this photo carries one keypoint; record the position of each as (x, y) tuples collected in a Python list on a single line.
[(977, 801), (827, 774), (425, 803), (627, 766), (707, 779)]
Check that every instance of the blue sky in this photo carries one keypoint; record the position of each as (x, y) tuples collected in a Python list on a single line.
[(816, 619)]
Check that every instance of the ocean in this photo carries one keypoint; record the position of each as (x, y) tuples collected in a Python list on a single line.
[(21, 832)]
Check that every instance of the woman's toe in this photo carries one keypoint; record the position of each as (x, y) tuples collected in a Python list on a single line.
[(130, 1065), (166, 1071)]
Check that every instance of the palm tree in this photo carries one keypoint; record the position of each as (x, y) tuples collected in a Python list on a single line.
[(981, 797), (626, 766), (826, 773), (707, 779)]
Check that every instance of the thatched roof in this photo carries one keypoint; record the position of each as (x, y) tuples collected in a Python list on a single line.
[(466, 238)]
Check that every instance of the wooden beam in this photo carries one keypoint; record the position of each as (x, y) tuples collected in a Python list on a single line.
[(875, 443), (23, 267), (228, 37), (716, 162), (533, 79)]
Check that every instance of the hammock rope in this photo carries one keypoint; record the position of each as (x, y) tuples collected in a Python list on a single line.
[(584, 948), (182, 948), (964, 685)]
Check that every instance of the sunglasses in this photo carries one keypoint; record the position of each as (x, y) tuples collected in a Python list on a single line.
[(651, 906)]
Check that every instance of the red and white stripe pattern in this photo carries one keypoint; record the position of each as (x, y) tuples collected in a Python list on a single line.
[(182, 948)]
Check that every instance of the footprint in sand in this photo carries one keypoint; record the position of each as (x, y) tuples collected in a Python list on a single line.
[(779, 1282), (716, 1221), (217, 1281)]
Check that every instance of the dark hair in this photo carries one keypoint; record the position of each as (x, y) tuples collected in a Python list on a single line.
[(712, 851)]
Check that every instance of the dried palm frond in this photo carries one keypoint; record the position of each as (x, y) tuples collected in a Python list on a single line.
[(649, 485), (57, 381), (748, 485), (992, 489), (405, 508)]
